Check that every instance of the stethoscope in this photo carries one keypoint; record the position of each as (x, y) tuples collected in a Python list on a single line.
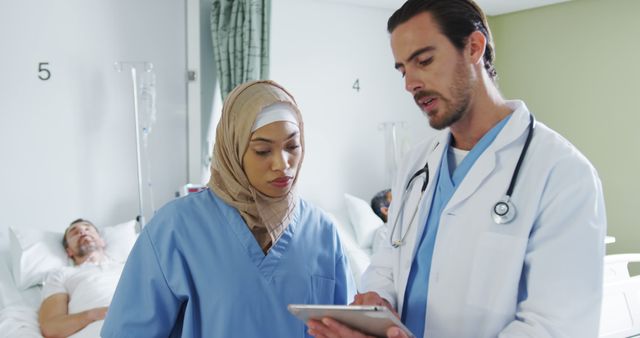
[(502, 212)]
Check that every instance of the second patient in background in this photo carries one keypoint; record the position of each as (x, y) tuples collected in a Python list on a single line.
[(380, 204)]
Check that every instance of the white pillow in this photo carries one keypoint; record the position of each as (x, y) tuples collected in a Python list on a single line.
[(35, 252), (364, 221), (120, 239)]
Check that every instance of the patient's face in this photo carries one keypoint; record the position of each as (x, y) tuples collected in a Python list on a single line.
[(272, 158), (83, 239)]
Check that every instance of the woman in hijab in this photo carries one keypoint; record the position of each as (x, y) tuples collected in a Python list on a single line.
[(226, 262)]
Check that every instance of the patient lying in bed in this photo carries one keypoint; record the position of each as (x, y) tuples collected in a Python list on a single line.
[(76, 298)]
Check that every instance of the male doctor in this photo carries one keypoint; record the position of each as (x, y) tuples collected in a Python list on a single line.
[(497, 224)]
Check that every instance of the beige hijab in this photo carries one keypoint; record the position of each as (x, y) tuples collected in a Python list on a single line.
[(267, 217)]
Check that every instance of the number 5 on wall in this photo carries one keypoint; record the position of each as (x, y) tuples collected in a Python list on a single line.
[(43, 73)]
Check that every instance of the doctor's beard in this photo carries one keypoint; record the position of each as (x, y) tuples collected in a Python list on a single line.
[(452, 110)]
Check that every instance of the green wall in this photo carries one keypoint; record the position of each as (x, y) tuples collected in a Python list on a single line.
[(577, 66)]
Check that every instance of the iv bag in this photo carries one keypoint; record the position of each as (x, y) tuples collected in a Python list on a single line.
[(147, 101)]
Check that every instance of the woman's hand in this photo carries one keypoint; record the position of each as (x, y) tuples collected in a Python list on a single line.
[(330, 328)]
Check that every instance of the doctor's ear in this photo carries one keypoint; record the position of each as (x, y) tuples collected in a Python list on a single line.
[(384, 210), (476, 44)]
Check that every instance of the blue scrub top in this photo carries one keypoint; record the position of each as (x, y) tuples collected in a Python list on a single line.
[(196, 270)]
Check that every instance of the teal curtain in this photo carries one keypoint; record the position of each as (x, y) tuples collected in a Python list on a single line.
[(240, 33)]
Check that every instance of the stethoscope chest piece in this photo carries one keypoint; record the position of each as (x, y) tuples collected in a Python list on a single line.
[(503, 211)]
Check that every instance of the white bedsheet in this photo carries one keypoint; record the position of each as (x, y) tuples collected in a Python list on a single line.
[(18, 321), (90, 331), (359, 258), (18, 309), (22, 322), (9, 293)]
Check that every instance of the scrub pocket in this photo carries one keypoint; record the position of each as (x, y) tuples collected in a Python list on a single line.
[(497, 267), (322, 290)]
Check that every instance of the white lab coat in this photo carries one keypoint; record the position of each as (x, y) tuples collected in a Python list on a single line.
[(538, 276)]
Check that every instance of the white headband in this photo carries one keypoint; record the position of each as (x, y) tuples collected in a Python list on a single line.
[(276, 112)]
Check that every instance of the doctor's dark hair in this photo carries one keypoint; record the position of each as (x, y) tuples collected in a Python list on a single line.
[(457, 19), (65, 244)]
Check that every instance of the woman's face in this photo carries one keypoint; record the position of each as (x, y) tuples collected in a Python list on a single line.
[(272, 158)]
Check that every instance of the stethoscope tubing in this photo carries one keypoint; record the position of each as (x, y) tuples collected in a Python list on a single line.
[(423, 170), (503, 211), (525, 147)]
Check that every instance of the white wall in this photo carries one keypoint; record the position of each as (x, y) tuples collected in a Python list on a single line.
[(67, 145), (318, 50), (211, 100)]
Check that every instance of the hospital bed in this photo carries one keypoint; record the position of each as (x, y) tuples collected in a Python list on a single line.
[(27, 255), (621, 298)]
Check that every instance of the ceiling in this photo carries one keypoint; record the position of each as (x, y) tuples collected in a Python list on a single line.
[(491, 7)]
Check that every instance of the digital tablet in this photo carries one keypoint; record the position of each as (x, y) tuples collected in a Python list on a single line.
[(373, 320)]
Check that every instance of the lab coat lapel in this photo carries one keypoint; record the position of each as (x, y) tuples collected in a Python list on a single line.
[(486, 163), (478, 173), (415, 230), (419, 222)]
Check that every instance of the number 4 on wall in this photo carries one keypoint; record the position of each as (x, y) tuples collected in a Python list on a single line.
[(43, 73), (356, 85)]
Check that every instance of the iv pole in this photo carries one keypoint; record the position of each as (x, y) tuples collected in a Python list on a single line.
[(132, 65), (393, 146)]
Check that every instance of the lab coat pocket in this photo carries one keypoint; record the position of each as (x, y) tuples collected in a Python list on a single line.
[(322, 290), (496, 270)]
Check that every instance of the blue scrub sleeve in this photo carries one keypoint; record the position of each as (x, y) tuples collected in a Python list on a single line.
[(144, 304)]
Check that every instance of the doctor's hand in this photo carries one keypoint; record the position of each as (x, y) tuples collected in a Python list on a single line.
[(373, 298)]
